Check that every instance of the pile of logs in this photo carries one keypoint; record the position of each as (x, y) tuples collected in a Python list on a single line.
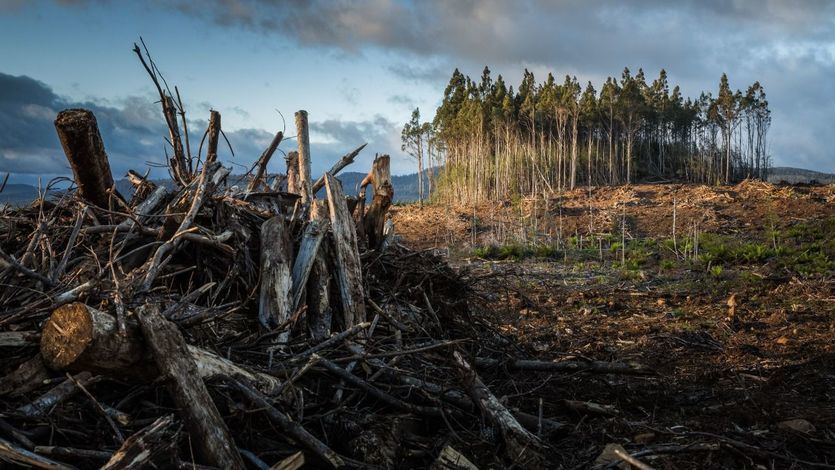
[(252, 321)]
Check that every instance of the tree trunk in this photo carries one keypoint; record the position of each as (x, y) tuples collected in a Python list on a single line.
[(83, 146), (348, 267), (275, 305), (303, 136), (375, 218)]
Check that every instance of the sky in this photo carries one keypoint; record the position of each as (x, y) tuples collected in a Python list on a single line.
[(360, 67)]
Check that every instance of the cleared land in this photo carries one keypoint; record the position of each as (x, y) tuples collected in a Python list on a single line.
[(736, 316)]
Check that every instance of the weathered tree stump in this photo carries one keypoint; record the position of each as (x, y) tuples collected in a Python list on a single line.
[(375, 218), (79, 134), (303, 136)]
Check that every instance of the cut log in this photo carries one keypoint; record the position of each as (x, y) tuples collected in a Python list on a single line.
[(80, 138), (150, 447), (293, 172), (348, 267), (374, 219), (522, 446), (303, 137), (276, 292), (337, 167), (175, 363), (80, 338)]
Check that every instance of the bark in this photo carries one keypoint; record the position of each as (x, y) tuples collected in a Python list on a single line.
[(83, 146), (319, 313), (202, 418), (348, 266)]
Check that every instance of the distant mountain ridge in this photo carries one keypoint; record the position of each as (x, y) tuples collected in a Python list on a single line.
[(406, 186), (799, 175)]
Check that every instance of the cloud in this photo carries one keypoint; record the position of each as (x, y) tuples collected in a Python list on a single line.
[(132, 128), (694, 40), (133, 131)]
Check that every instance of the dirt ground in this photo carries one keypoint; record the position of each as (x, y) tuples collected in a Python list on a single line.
[(743, 350)]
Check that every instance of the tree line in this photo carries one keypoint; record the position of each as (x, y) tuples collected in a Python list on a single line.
[(489, 141)]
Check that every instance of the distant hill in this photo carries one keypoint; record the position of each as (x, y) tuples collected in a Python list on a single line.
[(405, 188), (798, 175)]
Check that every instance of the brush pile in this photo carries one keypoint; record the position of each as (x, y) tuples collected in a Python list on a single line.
[(258, 322)]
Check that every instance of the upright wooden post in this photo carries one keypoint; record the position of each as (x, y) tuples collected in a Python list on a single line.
[(80, 138), (303, 137)]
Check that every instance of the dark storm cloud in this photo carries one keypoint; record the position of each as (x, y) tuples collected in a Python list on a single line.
[(695, 40), (132, 129)]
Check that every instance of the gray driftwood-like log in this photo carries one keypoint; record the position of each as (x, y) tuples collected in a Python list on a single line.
[(11, 453), (151, 447), (80, 138), (522, 446), (276, 291), (319, 313), (375, 217), (293, 172), (346, 160), (175, 363), (303, 136), (80, 338), (55, 395), (348, 267), (294, 429), (312, 237), (263, 160)]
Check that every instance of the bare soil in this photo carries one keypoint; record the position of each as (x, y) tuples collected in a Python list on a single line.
[(744, 355)]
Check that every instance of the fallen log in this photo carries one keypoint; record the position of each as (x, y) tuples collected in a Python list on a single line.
[(77, 337), (295, 430), (23, 457), (202, 418), (83, 146), (348, 267), (522, 446)]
